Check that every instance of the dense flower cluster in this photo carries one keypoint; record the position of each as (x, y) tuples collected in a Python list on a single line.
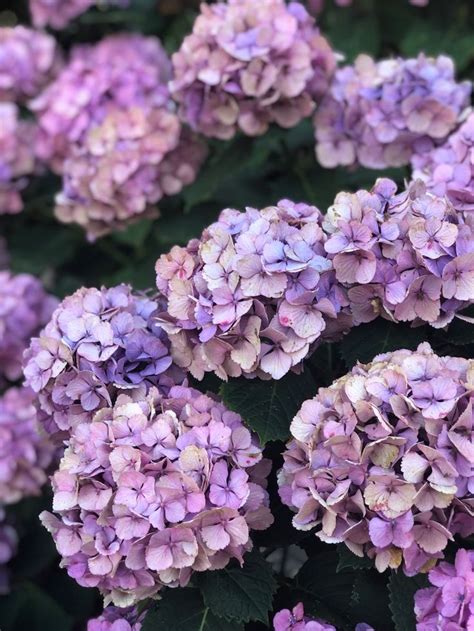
[(154, 488), (8, 546), (377, 114), (295, 620), (17, 158), (25, 454), (58, 13), (121, 71), (450, 603), (253, 296), (449, 169), (120, 170), (97, 342), (383, 459), (407, 256), (249, 64), (117, 619), (25, 308)]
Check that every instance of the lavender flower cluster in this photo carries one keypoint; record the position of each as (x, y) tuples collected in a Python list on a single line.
[(247, 65), (117, 619), (17, 157), (29, 60), (449, 169), (383, 459), (253, 296), (99, 341), (262, 288), (377, 114), (407, 256), (121, 71), (153, 489), (25, 308), (58, 13), (8, 547), (25, 454), (449, 604), (295, 620)]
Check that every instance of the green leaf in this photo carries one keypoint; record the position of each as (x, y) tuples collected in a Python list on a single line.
[(348, 560), (29, 607), (268, 407), (135, 234), (402, 591), (242, 594), (367, 340), (184, 610), (459, 332)]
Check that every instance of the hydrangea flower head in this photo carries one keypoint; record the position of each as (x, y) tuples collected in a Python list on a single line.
[(117, 619), (121, 71), (99, 341), (25, 454), (58, 13), (246, 65), (449, 604), (25, 308), (29, 59), (377, 114), (449, 168), (123, 167), (17, 157), (253, 296), (383, 459), (407, 256), (295, 620), (153, 489)]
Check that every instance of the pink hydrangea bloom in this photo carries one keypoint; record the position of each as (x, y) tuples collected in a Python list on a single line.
[(25, 308), (378, 114), (17, 158), (449, 168), (249, 64), (29, 60), (8, 547), (253, 296), (123, 167), (383, 459), (121, 71), (25, 454), (295, 620), (117, 619), (98, 342), (154, 489), (406, 256), (449, 604), (58, 13)]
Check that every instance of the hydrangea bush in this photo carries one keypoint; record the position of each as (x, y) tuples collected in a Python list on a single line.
[(248, 404)]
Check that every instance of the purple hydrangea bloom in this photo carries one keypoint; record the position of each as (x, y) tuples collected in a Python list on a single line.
[(295, 620), (123, 167), (29, 60), (449, 168), (117, 619), (98, 342), (153, 489), (383, 459), (25, 308), (58, 13), (449, 604), (406, 256), (25, 454), (8, 547), (247, 65), (253, 296), (17, 158), (121, 71), (378, 114)]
